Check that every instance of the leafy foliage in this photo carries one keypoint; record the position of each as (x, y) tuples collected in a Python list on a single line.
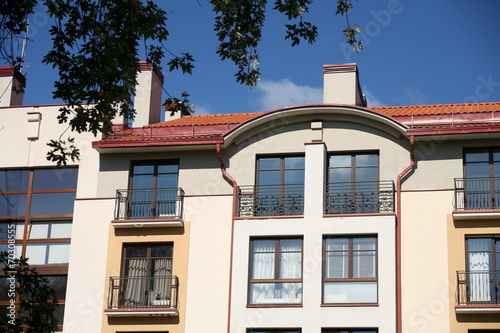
[(96, 47), (61, 151), (36, 298)]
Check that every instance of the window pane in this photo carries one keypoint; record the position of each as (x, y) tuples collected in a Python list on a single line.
[(161, 251), (168, 168), (9, 247), (363, 243), (366, 159), (58, 283), (366, 174), (269, 163), (39, 230), (364, 264), (136, 251), (36, 254), (52, 203), (55, 179), (263, 266), (61, 230), (294, 162), (12, 204), (275, 293), (167, 181), (337, 265), (294, 176), (290, 265), (14, 180), (336, 244), (143, 169), (350, 292), (340, 160), (479, 244), (476, 157), (340, 175), (143, 182), (477, 170), (269, 177), (58, 254)]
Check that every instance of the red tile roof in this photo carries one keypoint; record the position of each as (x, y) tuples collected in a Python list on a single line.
[(436, 109), (208, 119)]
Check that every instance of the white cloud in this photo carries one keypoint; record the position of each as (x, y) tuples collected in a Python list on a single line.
[(201, 109), (278, 94)]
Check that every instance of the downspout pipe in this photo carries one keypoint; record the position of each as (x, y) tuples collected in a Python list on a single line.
[(409, 168), (233, 183)]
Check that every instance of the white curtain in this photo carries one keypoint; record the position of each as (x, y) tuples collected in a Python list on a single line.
[(162, 282), (479, 270), (135, 283)]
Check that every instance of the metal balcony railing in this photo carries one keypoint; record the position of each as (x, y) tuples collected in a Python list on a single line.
[(478, 287), (149, 204), (270, 200), (360, 197), (143, 292), (477, 193)]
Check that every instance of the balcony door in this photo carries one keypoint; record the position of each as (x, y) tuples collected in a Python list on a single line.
[(483, 260), (146, 274), (280, 186), (353, 183), (154, 189), (482, 183)]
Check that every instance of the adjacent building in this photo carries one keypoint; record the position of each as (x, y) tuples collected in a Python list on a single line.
[(326, 218)]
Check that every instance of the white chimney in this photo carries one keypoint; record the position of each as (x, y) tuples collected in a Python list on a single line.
[(341, 85), (12, 84), (147, 101)]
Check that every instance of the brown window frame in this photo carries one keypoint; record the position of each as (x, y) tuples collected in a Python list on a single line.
[(276, 270), (353, 165), (350, 255)]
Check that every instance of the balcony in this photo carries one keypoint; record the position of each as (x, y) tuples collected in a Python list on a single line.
[(478, 292), (477, 198), (149, 208), (142, 296), (360, 198), (270, 200)]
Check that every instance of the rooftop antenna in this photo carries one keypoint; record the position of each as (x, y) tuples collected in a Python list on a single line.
[(25, 41)]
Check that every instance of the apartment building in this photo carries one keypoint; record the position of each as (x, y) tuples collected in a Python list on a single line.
[(326, 218)]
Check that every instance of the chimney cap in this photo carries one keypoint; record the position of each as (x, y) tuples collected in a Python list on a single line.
[(349, 67), (12, 71), (149, 66)]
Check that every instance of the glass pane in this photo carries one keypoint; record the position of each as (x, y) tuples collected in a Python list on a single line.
[(337, 265), (161, 251), (58, 283), (275, 293), (477, 157), (55, 179), (479, 244), (263, 266), (143, 182), (290, 265), (496, 172), (337, 244), (366, 159), (143, 169), (350, 292), (366, 174), (8, 229), (58, 254), (364, 264), (477, 170), (362, 243), (39, 230), (167, 181), (136, 251), (269, 177), (294, 176), (61, 230), (263, 245), (340, 175), (14, 180), (168, 168), (340, 160), (291, 245), (52, 203), (294, 162), (36, 254), (269, 163), (12, 204)]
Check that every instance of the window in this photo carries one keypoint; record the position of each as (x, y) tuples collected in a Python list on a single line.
[(153, 187), (350, 269), (354, 187), (483, 276), (276, 271), (280, 186), (482, 178), (146, 280), (36, 209), (349, 330), (275, 330)]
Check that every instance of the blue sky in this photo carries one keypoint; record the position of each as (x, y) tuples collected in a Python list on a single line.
[(416, 52)]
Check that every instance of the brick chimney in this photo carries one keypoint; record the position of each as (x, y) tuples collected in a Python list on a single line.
[(12, 84), (147, 101), (341, 85)]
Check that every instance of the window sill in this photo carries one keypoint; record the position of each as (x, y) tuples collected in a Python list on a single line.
[(349, 304), (477, 309), (273, 305), (150, 223), (476, 214), (150, 312)]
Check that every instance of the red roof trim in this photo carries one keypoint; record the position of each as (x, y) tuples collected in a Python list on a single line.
[(156, 143), (454, 130)]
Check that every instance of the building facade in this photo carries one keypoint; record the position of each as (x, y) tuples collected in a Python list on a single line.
[(325, 218)]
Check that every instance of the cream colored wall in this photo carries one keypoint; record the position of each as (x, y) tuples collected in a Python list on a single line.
[(457, 230), (179, 236)]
